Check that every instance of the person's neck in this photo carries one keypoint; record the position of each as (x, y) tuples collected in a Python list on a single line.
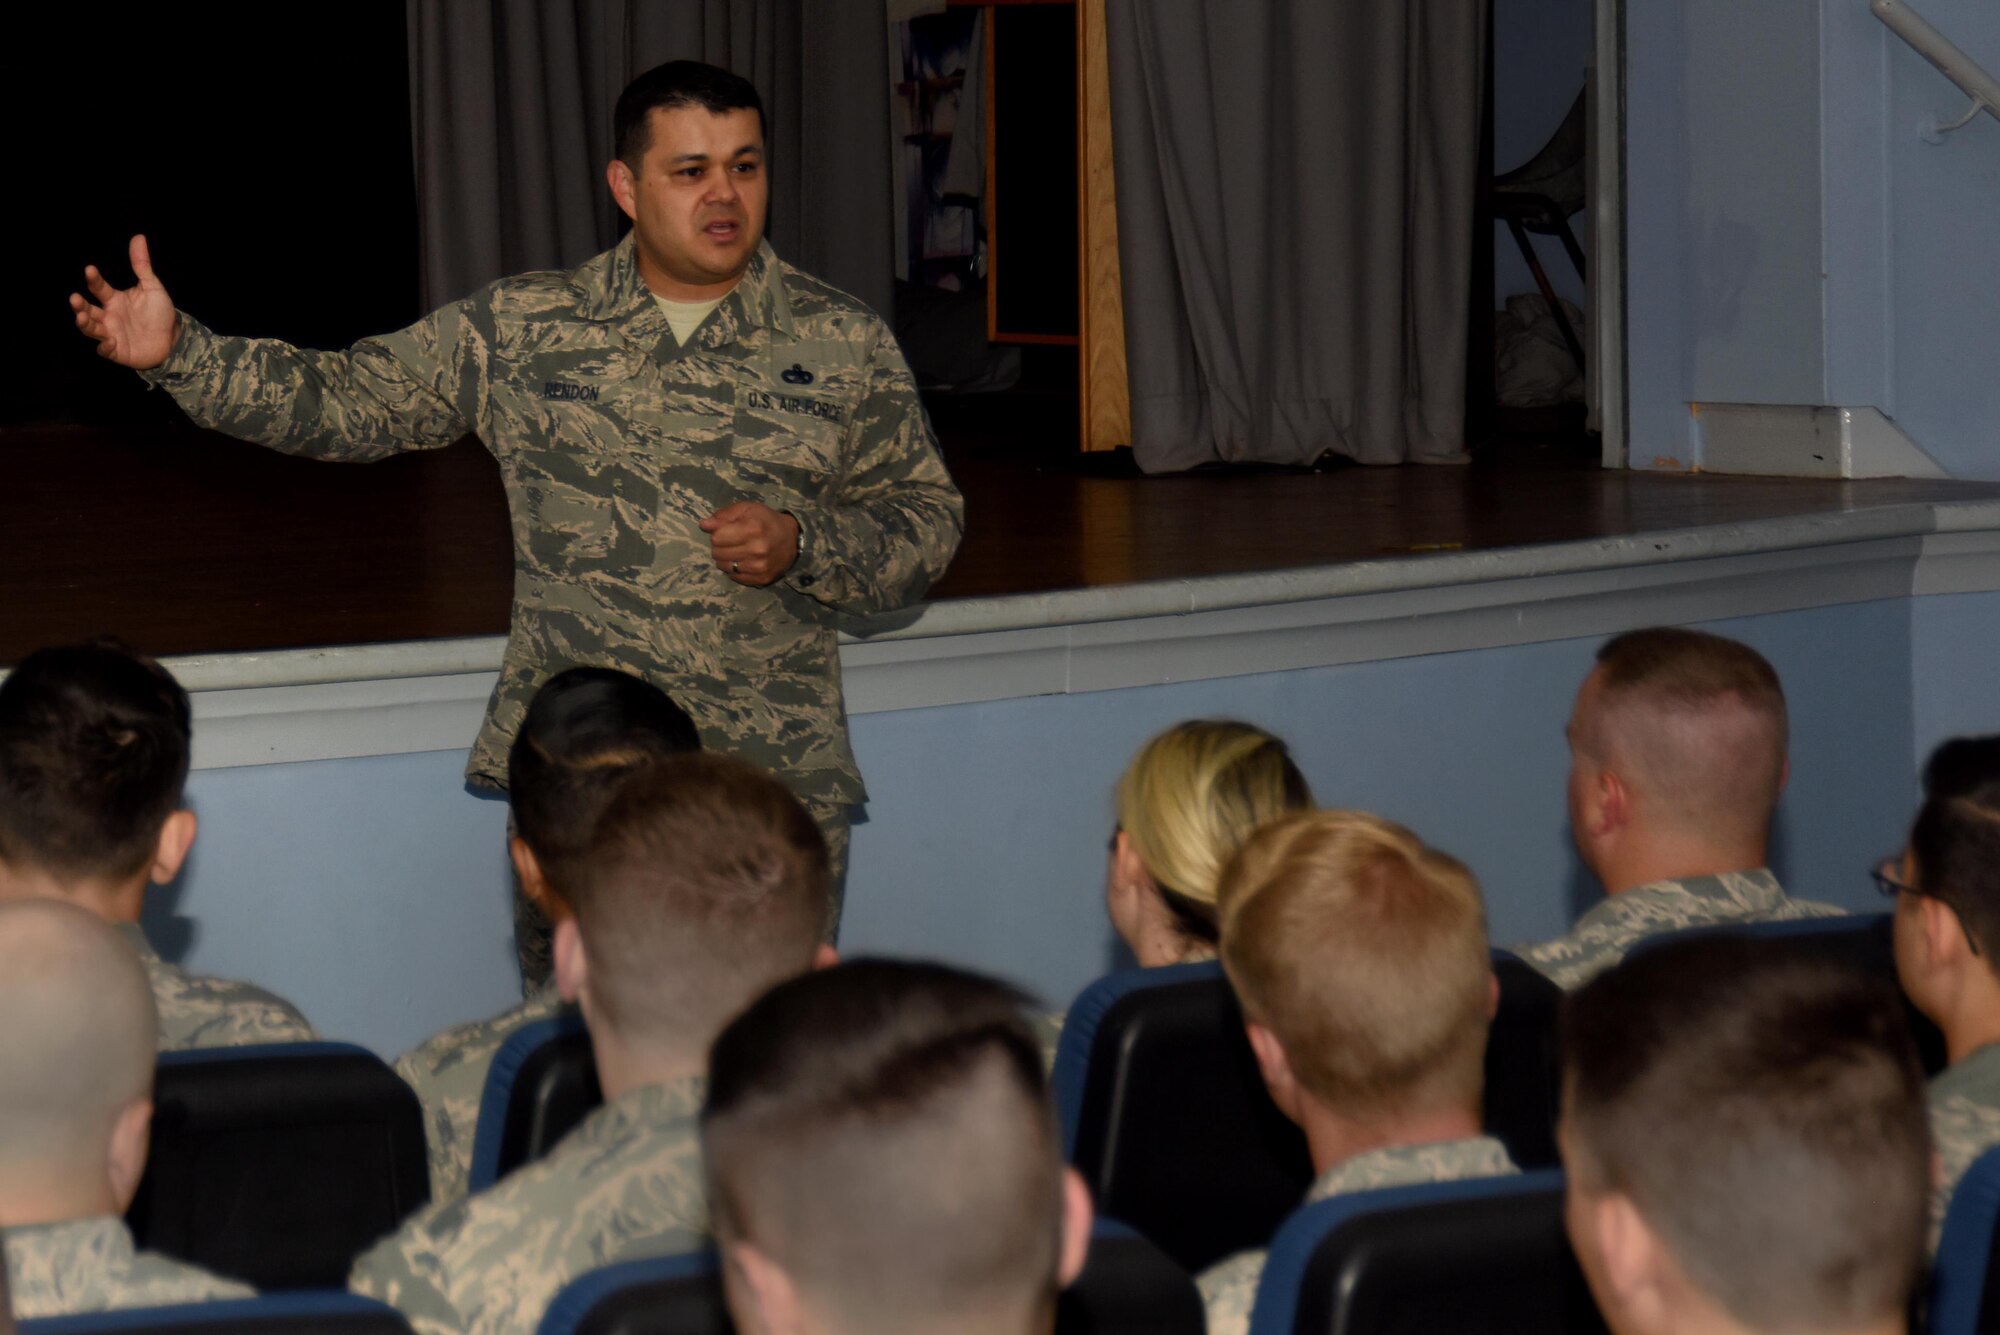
[(661, 284), (1971, 1019), (1160, 941), (1332, 1139), (115, 901), (624, 1065), (1644, 862), (48, 1192)]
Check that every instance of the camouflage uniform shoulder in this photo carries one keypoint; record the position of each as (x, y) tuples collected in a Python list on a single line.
[(1409, 1165), (814, 298), (90, 1265), (1229, 1291), (1602, 936), (1962, 1129), (196, 1011), (626, 1183), (448, 1072)]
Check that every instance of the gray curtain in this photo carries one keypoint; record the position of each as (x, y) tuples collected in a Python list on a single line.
[(1296, 184), (511, 108)]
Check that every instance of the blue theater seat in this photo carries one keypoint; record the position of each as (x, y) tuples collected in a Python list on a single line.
[(303, 1313), (1965, 1283), (1128, 1287), (1483, 1257), (1864, 941), (1166, 1117), (276, 1164), (543, 1081)]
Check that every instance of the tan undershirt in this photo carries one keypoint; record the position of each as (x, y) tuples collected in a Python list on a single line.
[(684, 317)]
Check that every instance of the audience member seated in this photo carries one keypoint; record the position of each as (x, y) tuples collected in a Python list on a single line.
[(703, 882), (1677, 757), (1744, 1138), (586, 728), (94, 745), (1947, 925), (883, 1157), (76, 1073), (1361, 961)]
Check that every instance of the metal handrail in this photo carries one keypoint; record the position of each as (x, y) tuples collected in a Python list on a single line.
[(1939, 50)]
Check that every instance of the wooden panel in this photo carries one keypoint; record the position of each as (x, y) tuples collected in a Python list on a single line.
[(1106, 393)]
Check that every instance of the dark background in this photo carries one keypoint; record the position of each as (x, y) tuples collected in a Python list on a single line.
[(264, 150)]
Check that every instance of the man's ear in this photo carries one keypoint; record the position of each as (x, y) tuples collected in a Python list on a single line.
[(1945, 941), (825, 957), (125, 1158), (762, 1297), (171, 850), (1076, 1219), (1275, 1067), (1614, 802), (624, 187), (572, 967), (534, 883), (1636, 1265)]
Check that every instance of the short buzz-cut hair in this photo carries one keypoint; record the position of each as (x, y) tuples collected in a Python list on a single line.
[(1695, 722), (1764, 1112), (882, 1130), (1955, 839), (703, 882), (94, 744), (678, 83), (1364, 951), (585, 729)]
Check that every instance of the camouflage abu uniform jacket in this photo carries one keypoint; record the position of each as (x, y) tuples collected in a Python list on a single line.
[(1964, 1103), (1229, 1288), (90, 1265), (200, 1012), (1602, 936), (448, 1072), (625, 1184), (615, 441)]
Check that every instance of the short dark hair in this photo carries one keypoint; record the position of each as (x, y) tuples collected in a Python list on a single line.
[(586, 727), (678, 83), (703, 881), (1764, 1111), (911, 1096), (1955, 839), (94, 742)]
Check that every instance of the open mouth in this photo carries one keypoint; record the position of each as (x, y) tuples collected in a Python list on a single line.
[(723, 230)]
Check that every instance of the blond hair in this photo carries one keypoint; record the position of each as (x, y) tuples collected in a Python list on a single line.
[(1364, 952), (1191, 797)]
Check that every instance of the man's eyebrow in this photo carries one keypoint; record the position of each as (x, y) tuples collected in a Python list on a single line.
[(689, 157), (753, 149)]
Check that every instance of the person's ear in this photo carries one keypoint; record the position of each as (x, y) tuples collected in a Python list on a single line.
[(1275, 1067), (1614, 803), (1636, 1267), (624, 187), (1492, 995), (1076, 1219), (572, 967), (825, 957), (171, 849), (534, 883), (126, 1155), (1944, 938), (762, 1297), (1784, 776)]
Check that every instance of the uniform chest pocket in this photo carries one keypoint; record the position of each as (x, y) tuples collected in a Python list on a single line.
[(788, 441)]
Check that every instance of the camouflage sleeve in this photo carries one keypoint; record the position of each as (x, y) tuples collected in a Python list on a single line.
[(403, 1271), (895, 519), (419, 388), (1229, 1291), (1961, 1131)]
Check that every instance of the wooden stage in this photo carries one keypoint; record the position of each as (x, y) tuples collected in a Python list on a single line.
[(183, 542)]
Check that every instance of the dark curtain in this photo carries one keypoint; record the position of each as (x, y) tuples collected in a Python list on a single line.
[(511, 108), (1296, 186)]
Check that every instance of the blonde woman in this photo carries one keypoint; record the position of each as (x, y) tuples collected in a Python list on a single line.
[(1185, 804)]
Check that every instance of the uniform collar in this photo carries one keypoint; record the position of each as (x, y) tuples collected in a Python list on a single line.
[(1976, 1077), (1735, 893), (1405, 1165), (100, 1238), (136, 935), (614, 292), (650, 1106)]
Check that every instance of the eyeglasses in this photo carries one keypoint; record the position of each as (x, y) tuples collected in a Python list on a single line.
[(1887, 882)]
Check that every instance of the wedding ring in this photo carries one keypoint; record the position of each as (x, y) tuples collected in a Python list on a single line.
[(735, 568)]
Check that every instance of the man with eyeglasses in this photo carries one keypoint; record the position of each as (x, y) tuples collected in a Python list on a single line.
[(1946, 885)]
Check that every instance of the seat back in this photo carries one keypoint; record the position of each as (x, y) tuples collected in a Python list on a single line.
[(543, 1081), (276, 1164), (1165, 1114), (301, 1313), (1965, 1281), (1480, 1257), (1863, 941), (1128, 1287)]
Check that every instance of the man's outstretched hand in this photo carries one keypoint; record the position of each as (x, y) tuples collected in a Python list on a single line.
[(134, 326)]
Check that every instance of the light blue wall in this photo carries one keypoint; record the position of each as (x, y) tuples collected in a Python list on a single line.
[(374, 892), (1791, 239), (1955, 644)]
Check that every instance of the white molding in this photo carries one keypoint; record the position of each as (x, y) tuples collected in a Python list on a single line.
[(1806, 440), (255, 709)]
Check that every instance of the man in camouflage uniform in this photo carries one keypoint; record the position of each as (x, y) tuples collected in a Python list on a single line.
[(94, 743), (76, 1074), (883, 1156), (698, 505), (1947, 927), (1677, 759), (1743, 1143), (1360, 958), (703, 882), (585, 731)]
